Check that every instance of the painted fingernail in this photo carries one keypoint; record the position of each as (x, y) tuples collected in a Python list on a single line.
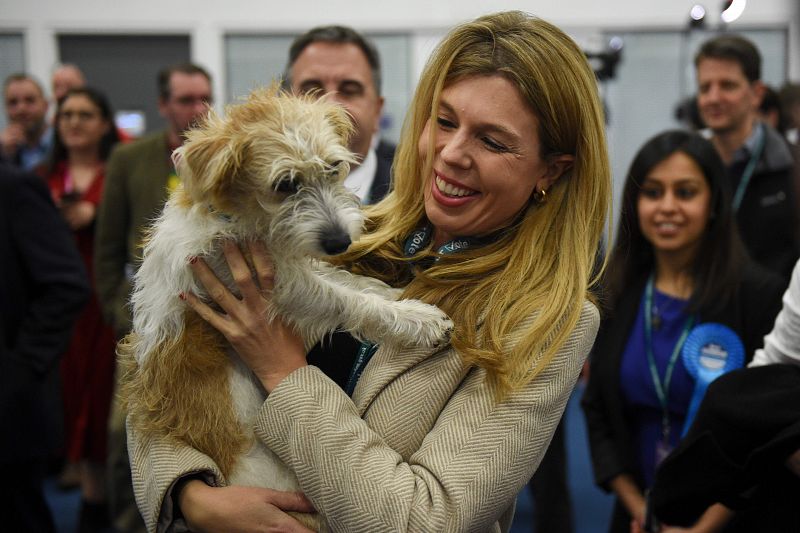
[(193, 260), (182, 296)]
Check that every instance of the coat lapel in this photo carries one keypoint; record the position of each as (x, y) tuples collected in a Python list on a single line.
[(387, 364)]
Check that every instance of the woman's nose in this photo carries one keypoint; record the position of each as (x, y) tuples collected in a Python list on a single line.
[(668, 202), (455, 151)]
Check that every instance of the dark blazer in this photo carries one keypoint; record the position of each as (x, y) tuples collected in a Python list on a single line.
[(751, 314), (43, 287), (382, 183)]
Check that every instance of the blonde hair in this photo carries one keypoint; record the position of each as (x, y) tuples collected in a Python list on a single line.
[(542, 264)]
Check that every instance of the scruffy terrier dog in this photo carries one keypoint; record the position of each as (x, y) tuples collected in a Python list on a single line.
[(271, 170)]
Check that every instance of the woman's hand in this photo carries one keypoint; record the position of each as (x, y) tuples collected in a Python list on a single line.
[(11, 138), (78, 214), (271, 349), (631, 497), (712, 520), (240, 509)]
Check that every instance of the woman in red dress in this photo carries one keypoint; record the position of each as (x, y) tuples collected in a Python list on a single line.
[(84, 136)]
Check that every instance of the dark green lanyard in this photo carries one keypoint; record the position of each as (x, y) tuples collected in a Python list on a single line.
[(662, 387), (418, 240), (748, 171)]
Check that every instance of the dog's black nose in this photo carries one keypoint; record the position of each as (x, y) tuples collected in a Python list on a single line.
[(335, 243)]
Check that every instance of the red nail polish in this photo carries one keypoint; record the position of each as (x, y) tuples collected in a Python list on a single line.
[(182, 296)]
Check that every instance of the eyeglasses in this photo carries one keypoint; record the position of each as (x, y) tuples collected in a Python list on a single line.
[(82, 116)]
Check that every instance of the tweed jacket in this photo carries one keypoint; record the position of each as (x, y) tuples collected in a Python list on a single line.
[(422, 446), (134, 194)]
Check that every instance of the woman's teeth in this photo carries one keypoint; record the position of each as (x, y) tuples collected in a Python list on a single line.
[(450, 190)]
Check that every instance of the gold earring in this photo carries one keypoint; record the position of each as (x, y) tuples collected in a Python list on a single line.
[(540, 197)]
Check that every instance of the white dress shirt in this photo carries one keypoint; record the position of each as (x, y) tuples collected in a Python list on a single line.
[(360, 180)]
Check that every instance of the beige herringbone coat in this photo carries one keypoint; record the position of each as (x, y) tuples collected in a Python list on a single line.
[(422, 446)]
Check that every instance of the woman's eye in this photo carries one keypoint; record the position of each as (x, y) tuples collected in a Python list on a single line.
[(286, 185), (651, 193), (445, 123), (494, 145), (685, 194)]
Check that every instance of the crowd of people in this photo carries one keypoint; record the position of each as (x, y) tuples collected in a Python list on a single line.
[(502, 152)]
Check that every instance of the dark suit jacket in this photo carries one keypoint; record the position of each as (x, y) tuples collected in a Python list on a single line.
[(734, 453), (134, 194), (382, 183), (751, 314), (43, 287)]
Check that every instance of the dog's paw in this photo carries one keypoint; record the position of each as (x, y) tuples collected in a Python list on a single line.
[(422, 324), (441, 332)]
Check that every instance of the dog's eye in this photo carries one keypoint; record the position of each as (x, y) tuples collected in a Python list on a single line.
[(286, 185), (336, 167)]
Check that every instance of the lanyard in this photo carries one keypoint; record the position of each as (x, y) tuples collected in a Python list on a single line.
[(748, 170), (662, 387), (418, 240), (365, 353)]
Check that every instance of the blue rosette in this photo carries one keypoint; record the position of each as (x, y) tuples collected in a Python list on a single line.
[(710, 350)]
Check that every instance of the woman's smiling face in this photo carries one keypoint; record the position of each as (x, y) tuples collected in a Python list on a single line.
[(674, 205), (486, 160)]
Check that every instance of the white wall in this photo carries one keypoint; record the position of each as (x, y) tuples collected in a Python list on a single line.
[(208, 21)]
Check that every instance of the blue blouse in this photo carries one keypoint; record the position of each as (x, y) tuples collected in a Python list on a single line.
[(638, 390)]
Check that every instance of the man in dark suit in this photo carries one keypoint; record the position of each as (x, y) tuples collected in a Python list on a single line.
[(339, 61), (43, 286), (139, 177)]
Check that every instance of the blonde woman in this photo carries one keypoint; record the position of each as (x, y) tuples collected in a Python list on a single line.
[(504, 152)]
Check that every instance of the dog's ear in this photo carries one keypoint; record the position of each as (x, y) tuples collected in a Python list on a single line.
[(209, 163)]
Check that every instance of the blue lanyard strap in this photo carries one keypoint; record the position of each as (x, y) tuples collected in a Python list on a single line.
[(421, 237), (418, 240), (749, 169), (365, 353), (661, 387)]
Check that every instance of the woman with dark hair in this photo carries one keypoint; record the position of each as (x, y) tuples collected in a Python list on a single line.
[(677, 263), (84, 136)]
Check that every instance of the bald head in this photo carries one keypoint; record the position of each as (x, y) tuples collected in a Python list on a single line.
[(66, 77)]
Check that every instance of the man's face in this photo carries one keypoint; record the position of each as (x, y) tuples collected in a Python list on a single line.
[(26, 106), (342, 70), (727, 100), (190, 96)]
